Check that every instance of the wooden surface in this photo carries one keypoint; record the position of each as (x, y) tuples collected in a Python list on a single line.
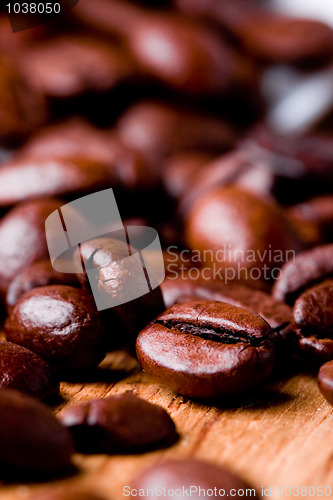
[(282, 435)]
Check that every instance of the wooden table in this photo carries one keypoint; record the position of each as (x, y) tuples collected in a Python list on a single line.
[(280, 436)]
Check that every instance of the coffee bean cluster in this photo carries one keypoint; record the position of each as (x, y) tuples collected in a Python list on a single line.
[(163, 102)]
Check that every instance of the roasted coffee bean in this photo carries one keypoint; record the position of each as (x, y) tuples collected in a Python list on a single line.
[(31, 437), (317, 212), (44, 176), (114, 276), (22, 238), (61, 324), (268, 36), (119, 424), (305, 270), (207, 349), (276, 313), (70, 65), (25, 371), (325, 381), (157, 130), (179, 171), (21, 109), (76, 138), (194, 59), (313, 321), (40, 273), (181, 475), (245, 236)]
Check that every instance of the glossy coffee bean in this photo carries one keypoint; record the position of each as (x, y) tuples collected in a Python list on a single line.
[(31, 437), (22, 238), (276, 313), (45, 176), (25, 371), (181, 475), (313, 321), (325, 381), (317, 211), (307, 269), (119, 424), (114, 277), (157, 130), (40, 273), (254, 251), (207, 349), (70, 65), (61, 324)]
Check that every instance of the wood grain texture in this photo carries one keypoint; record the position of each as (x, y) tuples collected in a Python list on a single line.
[(279, 435)]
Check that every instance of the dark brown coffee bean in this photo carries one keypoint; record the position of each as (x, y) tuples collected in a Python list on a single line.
[(70, 65), (61, 324), (183, 476), (119, 424), (114, 276), (207, 349), (313, 321), (325, 381), (22, 238), (256, 250), (193, 59), (21, 109), (317, 212), (31, 437), (25, 371), (40, 273), (307, 269), (276, 313), (157, 130)]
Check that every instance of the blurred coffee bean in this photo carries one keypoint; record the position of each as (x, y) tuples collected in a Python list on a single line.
[(325, 381), (25, 371), (313, 321), (180, 169), (158, 130), (76, 138), (176, 51), (182, 475), (45, 176), (245, 236), (70, 65), (65, 493), (317, 212), (40, 273), (61, 324), (31, 437), (304, 271), (119, 424), (207, 349), (21, 109), (266, 35), (22, 238)]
